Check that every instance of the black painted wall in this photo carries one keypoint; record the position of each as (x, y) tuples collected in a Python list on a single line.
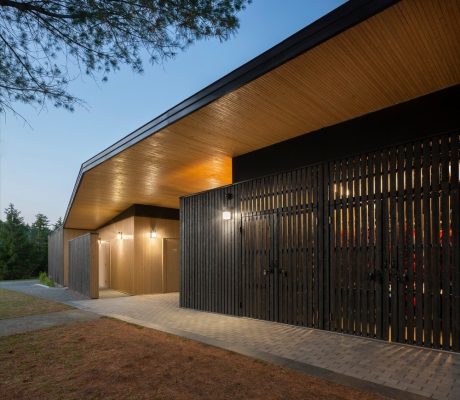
[(425, 116)]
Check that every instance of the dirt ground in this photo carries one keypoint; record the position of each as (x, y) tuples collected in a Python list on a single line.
[(14, 304), (111, 359)]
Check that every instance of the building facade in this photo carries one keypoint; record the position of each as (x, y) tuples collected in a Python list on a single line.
[(316, 185)]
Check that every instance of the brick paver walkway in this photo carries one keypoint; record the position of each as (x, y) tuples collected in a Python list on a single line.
[(425, 372)]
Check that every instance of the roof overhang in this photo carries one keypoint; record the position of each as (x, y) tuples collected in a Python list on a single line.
[(362, 57)]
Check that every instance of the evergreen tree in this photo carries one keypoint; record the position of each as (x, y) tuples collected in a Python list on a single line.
[(39, 232), (15, 249), (58, 224)]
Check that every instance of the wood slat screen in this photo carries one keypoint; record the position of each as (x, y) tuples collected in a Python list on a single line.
[(368, 245), (210, 252), (84, 265), (56, 256)]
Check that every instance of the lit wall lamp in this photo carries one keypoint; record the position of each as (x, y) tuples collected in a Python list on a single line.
[(227, 214), (120, 235), (153, 234)]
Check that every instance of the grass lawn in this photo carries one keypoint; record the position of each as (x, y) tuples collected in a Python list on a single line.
[(14, 304), (110, 359)]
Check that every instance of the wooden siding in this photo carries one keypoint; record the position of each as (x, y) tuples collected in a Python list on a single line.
[(83, 265), (148, 253), (136, 260), (121, 254), (406, 51), (367, 245), (56, 256), (69, 234), (210, 252)]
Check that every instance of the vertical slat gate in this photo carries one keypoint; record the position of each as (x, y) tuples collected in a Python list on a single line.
[(367, 245)]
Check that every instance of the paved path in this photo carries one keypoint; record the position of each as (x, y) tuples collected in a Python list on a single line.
[(424, 372), (39, 321), (384, 367), (34, 288)]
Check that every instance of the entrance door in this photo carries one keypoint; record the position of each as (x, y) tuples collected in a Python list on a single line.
[(260, 274), (282, 278), (171, 265), (104, 265)]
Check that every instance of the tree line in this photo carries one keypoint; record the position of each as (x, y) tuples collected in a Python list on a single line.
[(24, 247)]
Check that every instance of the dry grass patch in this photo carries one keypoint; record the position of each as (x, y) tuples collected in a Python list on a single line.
[(109, 359), (15, 304)]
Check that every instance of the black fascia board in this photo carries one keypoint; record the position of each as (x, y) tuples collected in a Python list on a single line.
[(342, 18)]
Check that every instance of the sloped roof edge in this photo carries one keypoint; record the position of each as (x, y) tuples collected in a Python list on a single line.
[(328, 26)]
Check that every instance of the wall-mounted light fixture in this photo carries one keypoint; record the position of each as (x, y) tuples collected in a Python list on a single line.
[(120, 235), (227, 213), (153, 234)]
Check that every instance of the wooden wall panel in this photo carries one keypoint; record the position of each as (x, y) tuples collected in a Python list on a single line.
[(210, 252), (83, 265), (56, 256), (121, 254), (136, 260), (69, 234), (148, 253)]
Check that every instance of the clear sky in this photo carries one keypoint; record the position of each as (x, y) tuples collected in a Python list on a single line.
[(39, 164)]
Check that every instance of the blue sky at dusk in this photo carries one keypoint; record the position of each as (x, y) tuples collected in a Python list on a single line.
[(39, 164)]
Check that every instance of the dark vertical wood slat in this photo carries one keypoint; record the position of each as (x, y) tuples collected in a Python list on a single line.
[(338, 250), (344, 247), (287, 268), (305, 247), (400, 244), (350, 261), (324, 184), (376, 307), (357, 260), (258, 249), (297, 278), (367, 247), (310, 215), (445, 239), (332, 246), (455, 226), (386, 270), (393, 248), (410, 252), (435, 253), (321, 230), (418, 244), (427, 317)]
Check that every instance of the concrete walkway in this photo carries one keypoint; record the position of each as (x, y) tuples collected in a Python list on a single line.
[(394, 370), (39, 321)]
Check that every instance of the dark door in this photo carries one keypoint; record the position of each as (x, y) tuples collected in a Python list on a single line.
[(260, 291), (357, 298)]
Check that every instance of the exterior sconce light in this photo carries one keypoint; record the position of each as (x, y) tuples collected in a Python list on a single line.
[(153, 234), (226, 215), (120, 235)]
